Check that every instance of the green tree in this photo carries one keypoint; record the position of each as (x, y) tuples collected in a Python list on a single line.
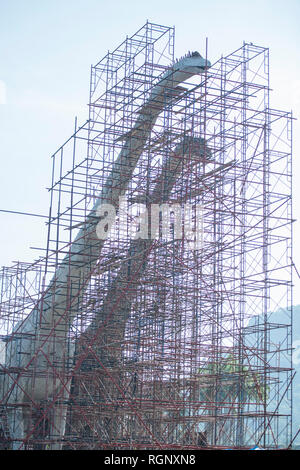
[(227, 387)]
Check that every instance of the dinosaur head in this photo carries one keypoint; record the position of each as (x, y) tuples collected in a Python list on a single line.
[(192, 63), (168, 86), (195, 146)]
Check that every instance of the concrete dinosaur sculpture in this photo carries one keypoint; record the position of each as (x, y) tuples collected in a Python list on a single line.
[(36, 351), (106, 333)]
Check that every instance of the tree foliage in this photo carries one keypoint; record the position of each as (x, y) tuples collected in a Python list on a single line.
[(230, 381)]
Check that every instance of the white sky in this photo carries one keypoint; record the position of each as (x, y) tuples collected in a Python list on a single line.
[(46, 49)]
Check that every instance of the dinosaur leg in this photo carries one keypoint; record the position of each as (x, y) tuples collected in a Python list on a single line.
[(15, 422), (58, 426)]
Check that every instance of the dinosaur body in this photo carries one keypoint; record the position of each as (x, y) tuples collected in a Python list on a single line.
[(106, 334)]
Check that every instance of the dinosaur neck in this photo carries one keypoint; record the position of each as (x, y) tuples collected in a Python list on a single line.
[(64, 294)]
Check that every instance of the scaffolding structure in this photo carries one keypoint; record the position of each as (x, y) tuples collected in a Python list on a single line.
[(160, 345)]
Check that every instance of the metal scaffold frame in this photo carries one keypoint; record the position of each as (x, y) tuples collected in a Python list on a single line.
[(151, 342)]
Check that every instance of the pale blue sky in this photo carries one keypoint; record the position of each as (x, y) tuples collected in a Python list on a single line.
[(46, 49)]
